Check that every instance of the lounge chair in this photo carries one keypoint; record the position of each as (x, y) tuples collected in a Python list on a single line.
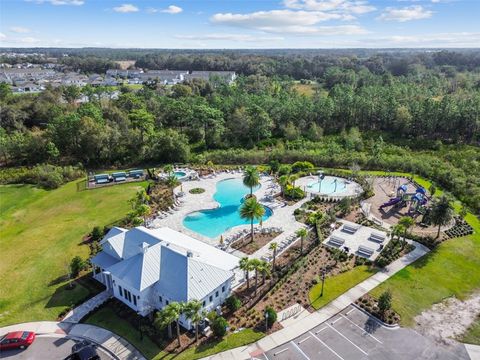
[(336, 241), (379, 238)]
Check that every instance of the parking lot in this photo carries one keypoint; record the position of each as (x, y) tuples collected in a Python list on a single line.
[(352, 334)]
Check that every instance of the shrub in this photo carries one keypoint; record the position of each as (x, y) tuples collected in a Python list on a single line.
[(302, 166), (197, 191), (284, 170), (233, 303), (219, 326), (272, 316), (97, 233)]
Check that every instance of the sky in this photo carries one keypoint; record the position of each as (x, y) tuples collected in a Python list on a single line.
[(230, 24)]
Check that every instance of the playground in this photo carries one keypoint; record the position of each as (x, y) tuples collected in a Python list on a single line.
[(396, 197)]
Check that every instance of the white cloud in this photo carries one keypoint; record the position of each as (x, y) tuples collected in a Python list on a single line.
[(19, 29), (287, 21), (274, 18), (28, 40), (229, 37), (125, 8), (344, 6), (172, 9), (59, 2), (3, 36), (414, 12)]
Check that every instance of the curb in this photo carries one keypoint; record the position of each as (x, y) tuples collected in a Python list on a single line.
[(385, 325)]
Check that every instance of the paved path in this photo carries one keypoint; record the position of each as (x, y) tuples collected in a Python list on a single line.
[(74, 316), (116, 346), (314, 319)]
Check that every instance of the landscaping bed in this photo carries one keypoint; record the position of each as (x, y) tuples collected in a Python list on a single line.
[(370, 305), (394, 250), (246, 246)]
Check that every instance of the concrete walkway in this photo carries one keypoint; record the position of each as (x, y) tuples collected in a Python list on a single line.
[(116, 346), (312, 320), (75, 315)]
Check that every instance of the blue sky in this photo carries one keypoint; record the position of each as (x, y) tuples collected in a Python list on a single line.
[(240, 23)]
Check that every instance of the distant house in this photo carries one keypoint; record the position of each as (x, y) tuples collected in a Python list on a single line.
[(149, 268), (224, 76)]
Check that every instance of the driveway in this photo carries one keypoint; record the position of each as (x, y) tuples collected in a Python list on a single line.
[(353, 335), (47, 348)]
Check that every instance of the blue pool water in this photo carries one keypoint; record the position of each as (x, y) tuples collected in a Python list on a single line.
[(180, 174), (327, 186), (212, 223)]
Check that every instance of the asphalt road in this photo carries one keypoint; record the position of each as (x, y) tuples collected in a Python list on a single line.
[(353, 335), (46, 348)]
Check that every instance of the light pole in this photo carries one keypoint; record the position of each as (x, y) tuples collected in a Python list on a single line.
[(323, 281)]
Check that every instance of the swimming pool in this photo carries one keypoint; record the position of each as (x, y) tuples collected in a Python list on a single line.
[(329, 185), (214, 222), (180, 174)]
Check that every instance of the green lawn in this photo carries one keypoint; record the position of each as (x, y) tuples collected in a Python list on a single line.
[(40, 232), (337, 285), (108, 319), (472, 336)]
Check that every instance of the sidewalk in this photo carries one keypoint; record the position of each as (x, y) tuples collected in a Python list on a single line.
[(117, 346), (75, 315), (309, 322)]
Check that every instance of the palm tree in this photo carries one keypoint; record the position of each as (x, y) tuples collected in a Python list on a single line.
[(245, 266), (173, 311), (168, 169), (283, 180), (274, 247), (264, 269), (252, 210), (441, 212), (256, 264), (303, 235), (251, 178), (193, 312), (407, 222)]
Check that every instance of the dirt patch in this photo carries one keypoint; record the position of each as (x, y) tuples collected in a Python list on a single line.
[(449, 319), (249, 247)]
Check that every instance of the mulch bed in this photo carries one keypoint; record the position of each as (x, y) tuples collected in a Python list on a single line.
[(248, 247)]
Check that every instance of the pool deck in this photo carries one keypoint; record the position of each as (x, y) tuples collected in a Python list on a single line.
[(282, 216)]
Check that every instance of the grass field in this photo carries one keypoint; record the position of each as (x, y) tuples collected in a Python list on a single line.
[(337, 285), (40, 232), (108, 319)]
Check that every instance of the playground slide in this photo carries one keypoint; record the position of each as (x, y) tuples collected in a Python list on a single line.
[(391, 202)]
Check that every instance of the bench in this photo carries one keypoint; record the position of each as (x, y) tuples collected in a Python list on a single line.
[(350, 229), (379, 238), (336, 241), (365, 251)]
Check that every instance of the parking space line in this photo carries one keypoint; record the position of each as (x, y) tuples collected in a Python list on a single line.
[(265, 356), (373, 337), (301, 341), (328, 347), (319, 331), (300, 350), (350, 341), (333, 322), (281, 351), (350, 311)]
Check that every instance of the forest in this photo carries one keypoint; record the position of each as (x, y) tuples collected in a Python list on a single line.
[(417, 112)]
